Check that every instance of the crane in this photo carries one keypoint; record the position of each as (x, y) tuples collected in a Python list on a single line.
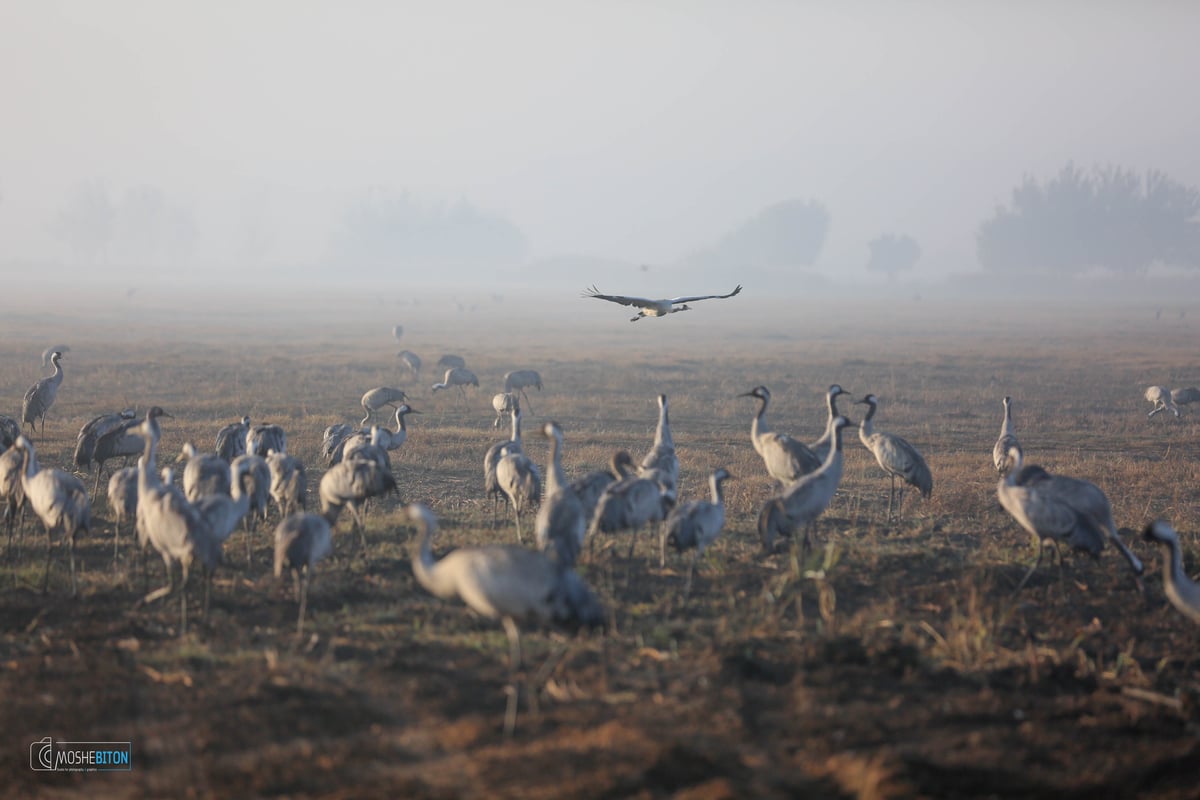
[(786, 459), (695, 525), (898, 458), (561, 524), (60, 501), (800, 503), (301, 540), (1007, 440), (1183, 592), (656, 308), (40, 397)]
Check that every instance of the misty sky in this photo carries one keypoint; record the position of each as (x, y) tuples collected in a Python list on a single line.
[(632, 130)]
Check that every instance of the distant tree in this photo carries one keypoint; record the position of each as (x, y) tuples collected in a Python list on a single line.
[(382, 230), (891, 253), (86, 222), (1110, 217), (787, 234)]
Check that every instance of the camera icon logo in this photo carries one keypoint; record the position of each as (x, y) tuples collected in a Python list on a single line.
[(41, 755)]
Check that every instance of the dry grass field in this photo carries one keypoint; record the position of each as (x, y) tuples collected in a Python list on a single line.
[(896, 663)]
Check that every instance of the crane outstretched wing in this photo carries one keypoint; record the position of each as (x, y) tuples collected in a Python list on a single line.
[(616, 298), (676, 300)]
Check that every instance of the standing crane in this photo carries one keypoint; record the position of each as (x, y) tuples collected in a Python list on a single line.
[(1007, 440), (41, 396), (380, 397), (898, 458), (289, 483), (491, 459), (60, 501), (519, 380), (1041, 508), (172, 525), (561, 524), (349, 485), (661, 464), (589, 487), (410, 361), (231, 440), (12, 488), (629, 504), (786, 459), (105, 437), (204, 473), (122, 502), (301, 540), (656, 308), (521, 482), (695, 525), (457, 377), (505, 582), (801, 502), (1183, 592), (262, 439)]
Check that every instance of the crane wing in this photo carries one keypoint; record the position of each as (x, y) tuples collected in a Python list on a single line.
[(677, 300), (617, 298)]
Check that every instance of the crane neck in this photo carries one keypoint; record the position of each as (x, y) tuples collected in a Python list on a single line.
[(557, 477), (866, 428), (425, 567), (662, 434), (716, 487), (758, 426), (1006, 428), (516, 425)]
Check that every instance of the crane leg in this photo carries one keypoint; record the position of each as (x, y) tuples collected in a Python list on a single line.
[(891, 497), (49, 553), (900, 504), (687, 586), (527, 401), (183, 599), (208, 579), (1037, 562), (71, 561), (303, 589)]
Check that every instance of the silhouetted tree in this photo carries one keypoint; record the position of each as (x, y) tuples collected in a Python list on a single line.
[(1110, 218), (383, 230), (86, 222), (891, 253), (787, 234)]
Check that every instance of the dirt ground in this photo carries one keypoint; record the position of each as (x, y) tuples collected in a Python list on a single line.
[(895, 663)]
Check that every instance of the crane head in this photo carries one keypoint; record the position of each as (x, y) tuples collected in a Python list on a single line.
[(761, 392), (1160, 531)]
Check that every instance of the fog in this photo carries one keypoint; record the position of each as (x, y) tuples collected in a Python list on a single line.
[(519, 143)]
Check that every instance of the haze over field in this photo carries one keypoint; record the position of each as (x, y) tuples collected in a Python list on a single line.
[(572, 142)]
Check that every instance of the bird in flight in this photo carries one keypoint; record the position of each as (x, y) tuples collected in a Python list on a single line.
[(656, 308)]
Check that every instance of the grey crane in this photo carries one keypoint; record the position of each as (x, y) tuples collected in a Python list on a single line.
[(262, 439), (51, 350), (898, 458), (380, 397), (695, 525), (59, 500), (451, 361), (589, 487), (171, 525), (661, 464), (12, 489), (502, 403), (1160, 396), (100, 438), (368, 448), (222, 512), (561, 524), (1183, 592), (289, 483), (397, 332), (255, 475), (519, 380), (521, 482), (822, 445), (629, 504), (786, 459), (801, 502), (301, 540), (1042, 509), (1088, 499), (1006, 441), (231, 440), (458, 377), (10, 429), (122, 502), (505, 582), (332, 442), (40, 397), (1185, 396), (656, 308), (349, 485), (410, 361), (511, 446), (204, 473)]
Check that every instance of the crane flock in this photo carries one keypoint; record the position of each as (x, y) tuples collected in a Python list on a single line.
[(189, 525)]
